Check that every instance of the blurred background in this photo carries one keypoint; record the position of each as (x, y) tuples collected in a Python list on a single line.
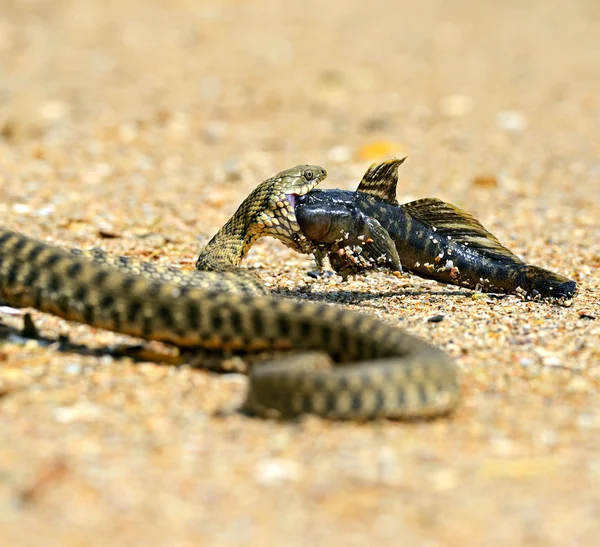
[(266, 84), (141, 125)]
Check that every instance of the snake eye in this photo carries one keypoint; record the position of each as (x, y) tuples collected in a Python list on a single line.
[(308, 174)]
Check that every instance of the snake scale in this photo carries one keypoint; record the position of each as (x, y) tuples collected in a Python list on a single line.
[(374, 369)]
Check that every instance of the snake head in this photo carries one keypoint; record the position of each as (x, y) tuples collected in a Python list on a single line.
[(294, 182), (278, 217), (269, 210)]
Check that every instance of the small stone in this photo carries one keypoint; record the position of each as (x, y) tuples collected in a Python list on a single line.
[(512, 121), (436, 318), (233, 170), (73, 368), (54, 110), (485, 181), (503, 447), (586, 421), (21, 208), (211, 87), (78, 412), (586, 315), (234, 378), (274, 471), (127, 133), (11, 311), (107, 360), (445, 479), (45, 211), (339, 154), (214, 132), (548, 437), (381, 150), (551, 361), (579, 385), (456, 105), (376, 123)]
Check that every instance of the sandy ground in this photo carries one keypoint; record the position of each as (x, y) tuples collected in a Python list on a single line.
[(140, 126)]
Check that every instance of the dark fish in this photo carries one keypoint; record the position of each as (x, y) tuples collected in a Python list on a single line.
[(433, 239), (346, 233)]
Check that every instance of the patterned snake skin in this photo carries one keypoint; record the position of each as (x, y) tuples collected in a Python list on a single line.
[(378, 370)]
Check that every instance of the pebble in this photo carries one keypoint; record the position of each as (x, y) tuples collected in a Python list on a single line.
[(214, 132), (551, 361), (548, 358), (456, 105), (273, 471), (54, 110), (485, 181), (8, 310), (232, 169), (339, 154), (106, 360), (75, 413), (234, 378), (579, 385), (21, 208), (73, 368), (445, 479), (127, 133), (512, 121), (381, 150), (45, 211), (436, 318)]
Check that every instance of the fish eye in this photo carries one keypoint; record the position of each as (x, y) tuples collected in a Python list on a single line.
[(308, 174)]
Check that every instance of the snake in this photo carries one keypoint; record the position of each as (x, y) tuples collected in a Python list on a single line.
[(326, 360)]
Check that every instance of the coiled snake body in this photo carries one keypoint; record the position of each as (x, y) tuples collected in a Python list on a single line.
[(380, 370)]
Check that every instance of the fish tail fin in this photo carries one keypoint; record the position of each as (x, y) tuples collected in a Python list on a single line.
[(544, 283)]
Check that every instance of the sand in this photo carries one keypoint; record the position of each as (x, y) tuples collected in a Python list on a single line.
[(140, 126)]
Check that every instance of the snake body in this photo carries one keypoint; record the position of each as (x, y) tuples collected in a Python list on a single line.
[(378, 370)]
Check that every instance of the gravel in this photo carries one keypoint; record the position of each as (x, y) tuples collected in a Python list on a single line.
[(140, 126)]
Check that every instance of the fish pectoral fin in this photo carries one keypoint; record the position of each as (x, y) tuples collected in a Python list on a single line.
[(379, 247), (454, 223), (369, 247), (381, 180)]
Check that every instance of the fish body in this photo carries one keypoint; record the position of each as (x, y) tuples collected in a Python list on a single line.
[(432, 239)]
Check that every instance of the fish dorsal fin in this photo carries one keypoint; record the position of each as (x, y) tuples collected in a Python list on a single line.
[(452, 222), (381, 179)]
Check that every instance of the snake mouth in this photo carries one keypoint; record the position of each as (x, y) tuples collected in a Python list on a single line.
[(294, 193)]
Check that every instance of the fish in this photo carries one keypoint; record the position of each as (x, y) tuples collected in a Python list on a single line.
[(368, 229)]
